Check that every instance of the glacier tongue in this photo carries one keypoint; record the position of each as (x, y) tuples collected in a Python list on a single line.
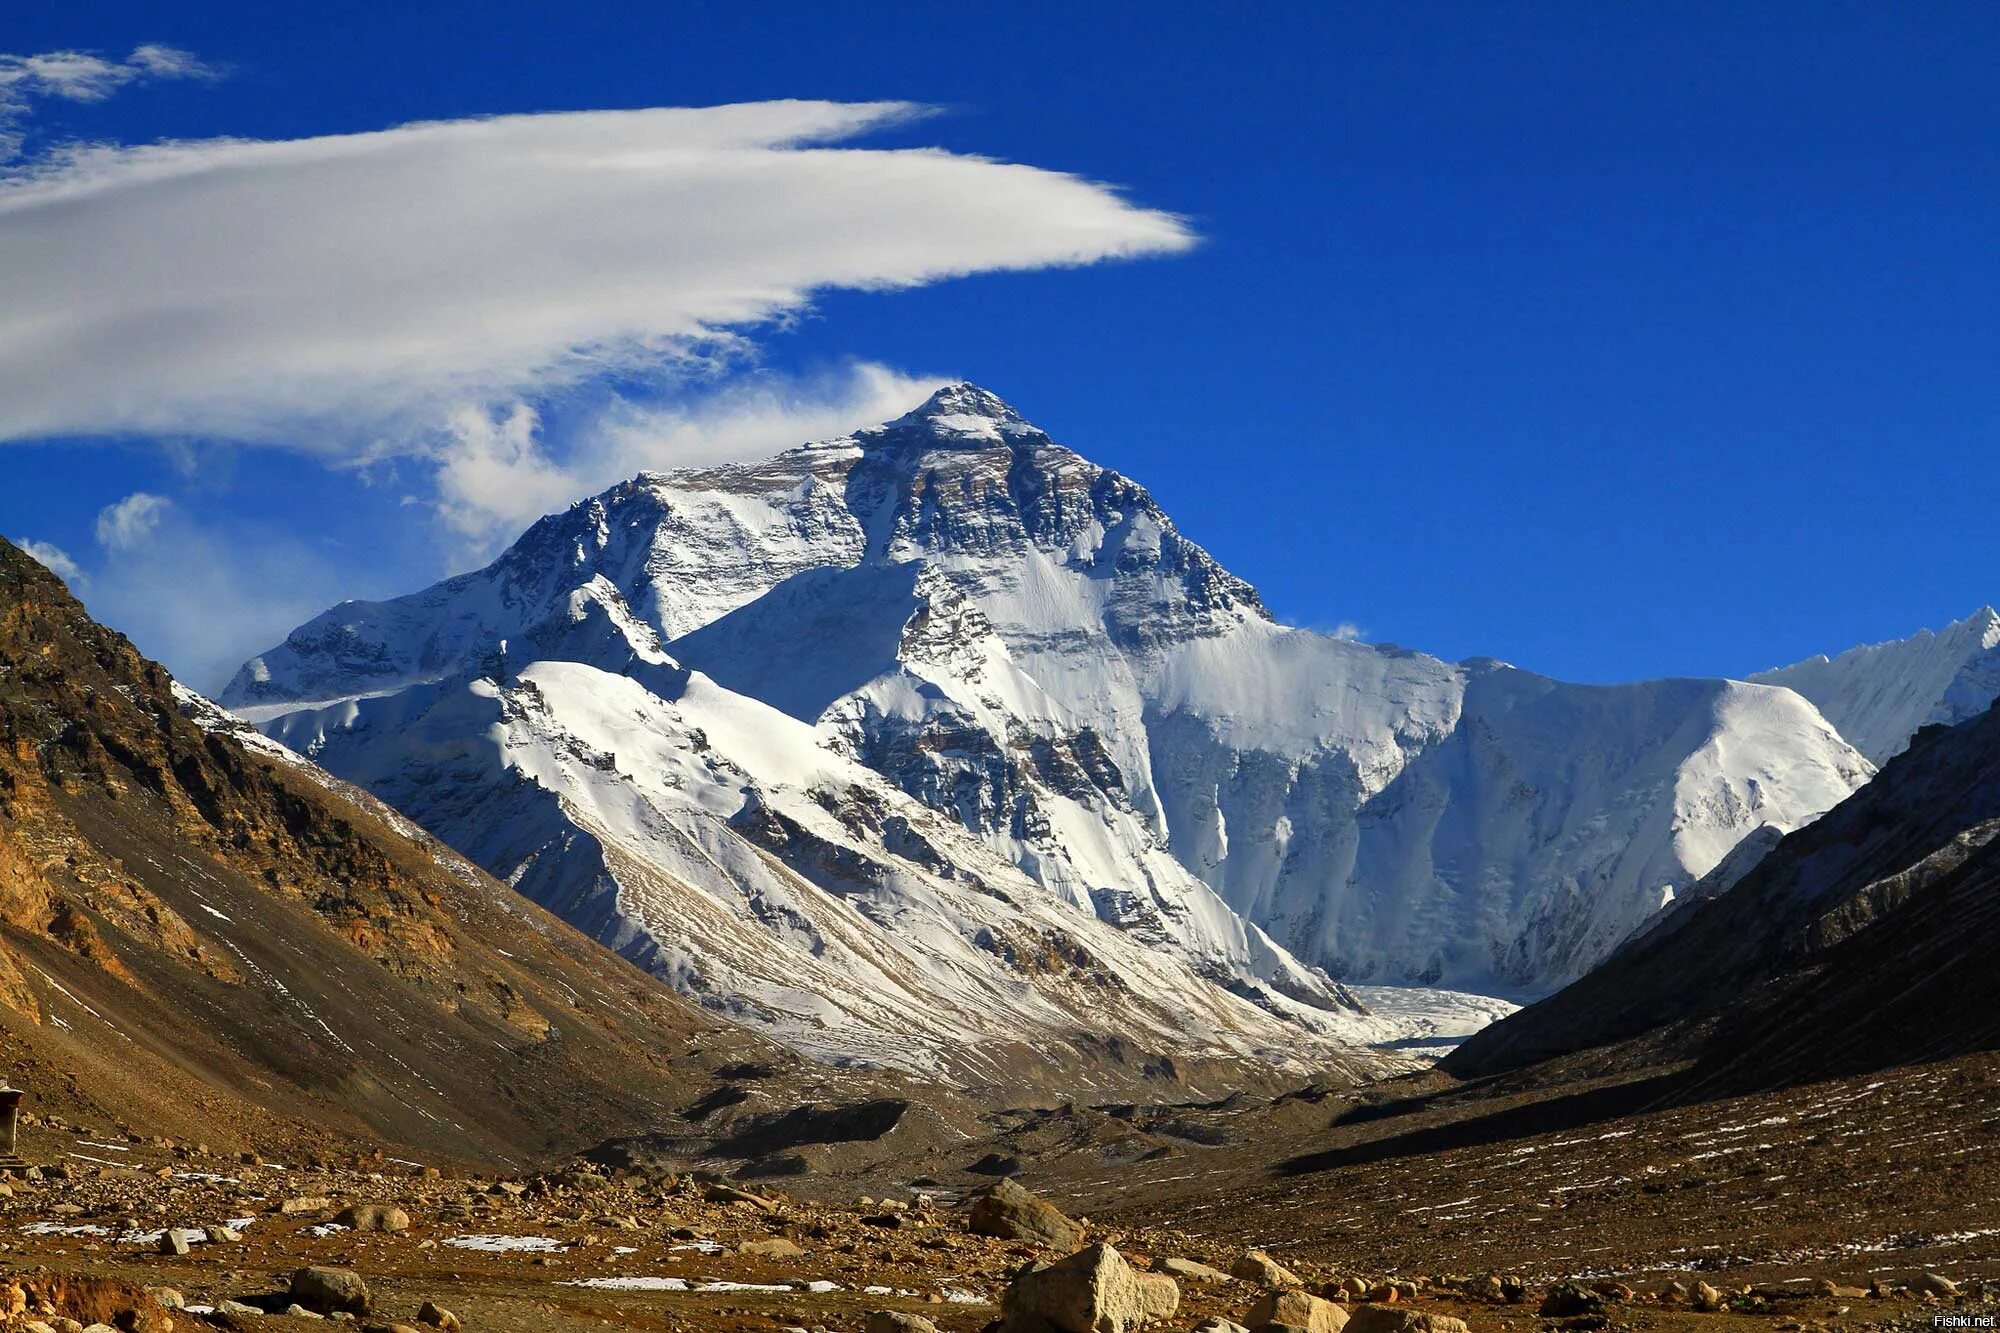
[(1042, 687)]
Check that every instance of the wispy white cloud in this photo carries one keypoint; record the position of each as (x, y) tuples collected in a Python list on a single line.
[(355, 295), (1348, 632), (500, 470), (455, 301), (81, 76), (56, 560), (126, 525)]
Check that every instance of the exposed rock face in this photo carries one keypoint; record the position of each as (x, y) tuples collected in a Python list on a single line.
[(211, 936), (1025, 643), (1871, 930), (1011, 1213)]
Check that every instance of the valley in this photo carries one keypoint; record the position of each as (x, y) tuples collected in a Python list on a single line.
[(566, 946)]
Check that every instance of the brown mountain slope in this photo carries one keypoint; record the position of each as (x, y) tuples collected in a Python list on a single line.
[(204, 938)]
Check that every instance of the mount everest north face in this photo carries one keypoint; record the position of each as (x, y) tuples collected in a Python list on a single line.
[(939, 735)]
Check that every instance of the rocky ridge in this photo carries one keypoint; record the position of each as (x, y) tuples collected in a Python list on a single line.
[(202, 935)]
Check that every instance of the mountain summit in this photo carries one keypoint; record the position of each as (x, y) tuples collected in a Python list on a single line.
[(960, 412), (1044, 688)]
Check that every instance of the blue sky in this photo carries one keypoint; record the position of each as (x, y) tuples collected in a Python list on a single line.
[(1615, 341)]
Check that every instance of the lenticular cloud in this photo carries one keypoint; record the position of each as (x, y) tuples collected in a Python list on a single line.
[(345, 289)]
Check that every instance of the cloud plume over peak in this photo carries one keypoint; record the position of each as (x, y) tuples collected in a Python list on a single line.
[(356, 295)]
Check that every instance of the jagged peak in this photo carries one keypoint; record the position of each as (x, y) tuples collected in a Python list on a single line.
[(959, 415)]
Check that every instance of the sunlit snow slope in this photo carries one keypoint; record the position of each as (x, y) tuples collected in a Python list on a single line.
[(1880, 693)]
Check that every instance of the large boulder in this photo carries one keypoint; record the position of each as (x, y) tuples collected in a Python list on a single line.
[(1092, 1291), (1566, 1300), (1159, 1295), (1299, 1309), (1009, 1212), (330, 1291), (1257, 1266), (373, 1217), (1401, 1319)]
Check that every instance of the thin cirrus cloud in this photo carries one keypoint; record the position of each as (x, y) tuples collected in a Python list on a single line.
[(354, 295), (81, 76)]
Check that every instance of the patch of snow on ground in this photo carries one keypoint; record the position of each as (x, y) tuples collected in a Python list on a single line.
[(492, 1244)]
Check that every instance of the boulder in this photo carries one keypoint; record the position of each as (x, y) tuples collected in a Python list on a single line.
[(1159, 1295), (1091, 1291), (1566, 1300), (1257, 1266), (1187, 1270), (430, 1312), (330, 1290), (1298, 1308), (897, 1321), (1401, 1319), (307, 1204), (175, 1240), (777, 1247), (1707, 1298), (1010, 1212), (719, 1193), (373, 1217)]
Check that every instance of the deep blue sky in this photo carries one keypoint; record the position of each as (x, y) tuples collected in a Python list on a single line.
[(1612, 340)]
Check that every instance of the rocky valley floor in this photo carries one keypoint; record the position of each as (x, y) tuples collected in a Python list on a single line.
[(1834, 1205)]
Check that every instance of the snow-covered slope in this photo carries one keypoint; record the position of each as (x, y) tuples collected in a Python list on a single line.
[(1880, 693), (732, 850), (1024, 642)]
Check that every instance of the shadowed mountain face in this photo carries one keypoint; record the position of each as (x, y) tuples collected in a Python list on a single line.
[(1865, 940), (204, 936)]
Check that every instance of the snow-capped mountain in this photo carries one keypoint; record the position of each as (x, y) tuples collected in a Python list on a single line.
[(734, 851), (1016, 654), (1864, 941), (1879, 694)]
